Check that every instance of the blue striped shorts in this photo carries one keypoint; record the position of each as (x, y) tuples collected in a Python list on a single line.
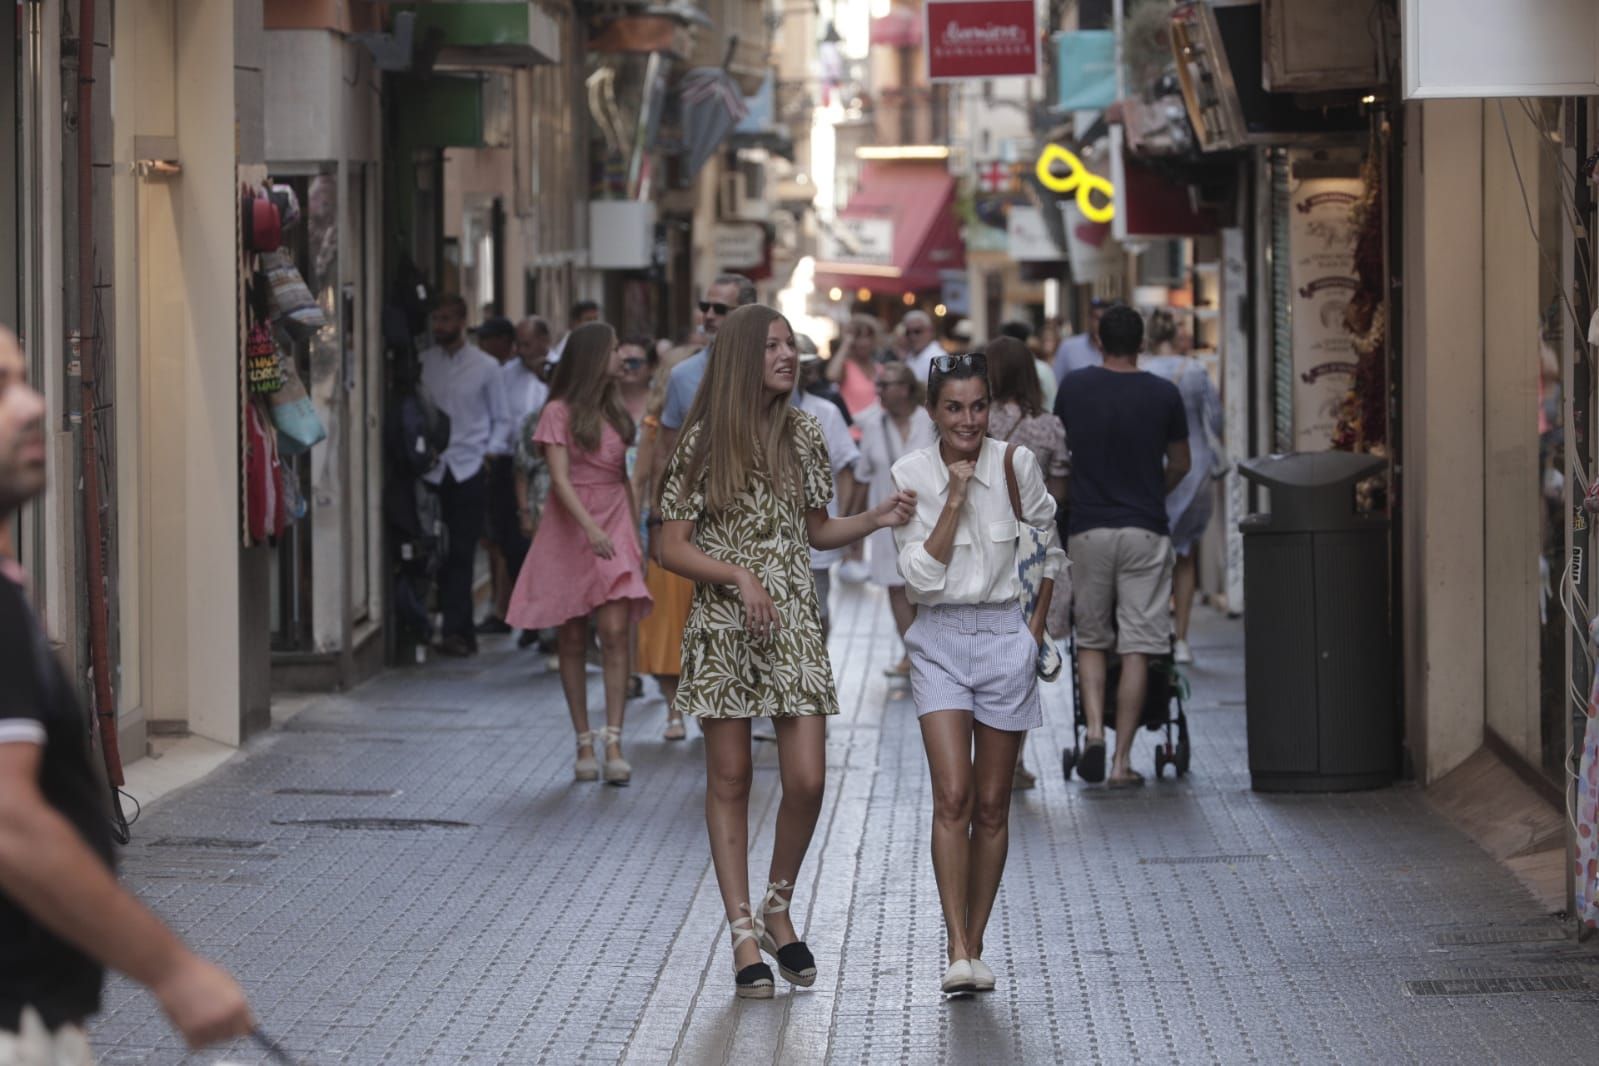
[(975, 657)]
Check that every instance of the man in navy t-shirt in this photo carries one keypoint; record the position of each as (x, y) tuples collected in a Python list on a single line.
[(1128, 437), (63, 917)]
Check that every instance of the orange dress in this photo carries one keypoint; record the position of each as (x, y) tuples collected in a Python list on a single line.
[(660, 636)]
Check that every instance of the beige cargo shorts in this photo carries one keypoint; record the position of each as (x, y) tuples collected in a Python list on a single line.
[(1122, 580)]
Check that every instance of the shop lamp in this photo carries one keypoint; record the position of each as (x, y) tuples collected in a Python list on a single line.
[(939, 310), (909, 299), (835, 294), (863, 294)]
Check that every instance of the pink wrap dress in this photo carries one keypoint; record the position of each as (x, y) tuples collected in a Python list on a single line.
[(562, 578)]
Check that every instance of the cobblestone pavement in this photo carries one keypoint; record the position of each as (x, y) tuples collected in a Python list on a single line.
[(534, 920)]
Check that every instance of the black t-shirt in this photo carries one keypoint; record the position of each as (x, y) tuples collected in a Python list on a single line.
[(1117, 428), (38, 968)]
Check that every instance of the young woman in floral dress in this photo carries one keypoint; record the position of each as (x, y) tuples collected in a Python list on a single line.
[(744, 499), (585, 559)]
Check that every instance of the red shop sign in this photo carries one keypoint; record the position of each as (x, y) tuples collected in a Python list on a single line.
[(981, 39)]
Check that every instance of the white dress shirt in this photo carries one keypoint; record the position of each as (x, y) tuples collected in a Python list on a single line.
[(467, 387), (982, 565), (841, 454), (525, 394), (921, 363)]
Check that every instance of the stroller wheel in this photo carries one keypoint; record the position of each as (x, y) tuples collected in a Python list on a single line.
[(1180, 760), (1068, 760), (1161, 759)]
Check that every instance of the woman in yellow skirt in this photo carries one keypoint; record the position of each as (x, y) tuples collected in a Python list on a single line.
[(660, 635)]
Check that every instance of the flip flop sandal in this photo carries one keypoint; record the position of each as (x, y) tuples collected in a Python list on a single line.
[(1133, 779), (1091, 767)]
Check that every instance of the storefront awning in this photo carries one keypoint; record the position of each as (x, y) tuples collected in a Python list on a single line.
[(897, 233), (900, 28)]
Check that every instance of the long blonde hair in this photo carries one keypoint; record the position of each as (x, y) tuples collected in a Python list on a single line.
[(584, 383), (744, 431)]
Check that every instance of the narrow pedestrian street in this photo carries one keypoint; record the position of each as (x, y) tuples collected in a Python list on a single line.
[(407, 874)]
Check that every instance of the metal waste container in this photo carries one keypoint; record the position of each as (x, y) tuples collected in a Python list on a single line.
[(1318, 660)]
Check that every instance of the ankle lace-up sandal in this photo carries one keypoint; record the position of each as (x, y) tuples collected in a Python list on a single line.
[(617, 770), (794, 961), (755, 980), (587, 767)]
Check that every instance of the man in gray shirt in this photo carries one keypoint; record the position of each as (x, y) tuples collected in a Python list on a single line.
[(725, 293)]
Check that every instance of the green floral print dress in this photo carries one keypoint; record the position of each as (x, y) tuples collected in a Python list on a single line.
[(727, 672)]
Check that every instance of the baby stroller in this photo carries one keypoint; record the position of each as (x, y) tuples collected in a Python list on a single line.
[(1163, 709)]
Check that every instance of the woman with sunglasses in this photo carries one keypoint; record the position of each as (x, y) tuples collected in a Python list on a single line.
[(897, 426), (973, 655), (744, 500), (585, 561)]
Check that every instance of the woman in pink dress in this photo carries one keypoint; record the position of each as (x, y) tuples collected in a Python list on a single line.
[(585, 559), (854, 368)]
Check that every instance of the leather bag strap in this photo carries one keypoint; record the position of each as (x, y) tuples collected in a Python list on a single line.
[(1010, 482)]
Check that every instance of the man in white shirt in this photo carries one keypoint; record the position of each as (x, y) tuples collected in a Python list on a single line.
[(583, 312), (464, 382), (923, 343), (842, 454), (525, 390)]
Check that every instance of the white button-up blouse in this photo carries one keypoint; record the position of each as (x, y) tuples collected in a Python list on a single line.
[(982, 566)]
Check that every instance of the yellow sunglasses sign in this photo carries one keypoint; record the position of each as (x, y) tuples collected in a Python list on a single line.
[(1079, 179)]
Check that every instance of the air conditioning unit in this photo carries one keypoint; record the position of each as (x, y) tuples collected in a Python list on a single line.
[(621, 234)]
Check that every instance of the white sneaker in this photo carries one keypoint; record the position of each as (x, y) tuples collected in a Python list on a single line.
[(1184, 655), (982, 976)]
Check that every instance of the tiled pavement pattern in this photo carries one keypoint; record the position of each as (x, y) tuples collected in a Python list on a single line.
[(1187, 922)]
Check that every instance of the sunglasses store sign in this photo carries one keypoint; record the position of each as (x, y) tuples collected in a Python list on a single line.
[(981, 39)]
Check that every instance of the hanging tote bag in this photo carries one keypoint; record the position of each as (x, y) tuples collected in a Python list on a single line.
[(295, 308), (295, 417), (1032, 549)]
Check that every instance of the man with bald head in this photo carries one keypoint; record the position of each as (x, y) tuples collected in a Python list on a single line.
[(923, 343), (63, 917)]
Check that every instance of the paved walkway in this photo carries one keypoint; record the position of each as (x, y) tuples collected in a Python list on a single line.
[(533, 920)]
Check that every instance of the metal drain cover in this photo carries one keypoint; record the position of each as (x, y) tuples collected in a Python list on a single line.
[(372, 792), (392, 825), (1205, 860), (217, 843), (1499, 986), (1533, 934)]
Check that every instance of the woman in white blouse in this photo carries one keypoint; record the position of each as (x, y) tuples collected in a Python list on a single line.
[(894, 427), (972, 653)]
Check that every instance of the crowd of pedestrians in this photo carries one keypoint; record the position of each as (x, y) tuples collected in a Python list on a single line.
[(675, 512)]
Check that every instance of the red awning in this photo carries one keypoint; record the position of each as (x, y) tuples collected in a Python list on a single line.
[(917, 199), (900, 28)]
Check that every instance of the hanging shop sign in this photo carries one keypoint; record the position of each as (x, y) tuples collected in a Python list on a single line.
[(981, 39), (1060, 171), (1086, 62), (859, 242), (1321, 255), (740, 245)]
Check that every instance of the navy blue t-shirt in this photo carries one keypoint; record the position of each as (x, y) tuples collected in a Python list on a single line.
[(1117, 428)]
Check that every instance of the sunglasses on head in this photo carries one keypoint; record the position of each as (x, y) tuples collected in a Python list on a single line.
[(946, 364), (707, 307)]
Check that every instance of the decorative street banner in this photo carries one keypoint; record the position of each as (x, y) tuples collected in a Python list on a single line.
[(981, 39), (1321, 248), (1086, 60)]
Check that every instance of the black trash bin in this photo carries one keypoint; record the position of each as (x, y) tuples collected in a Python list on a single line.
[(1318, 659)]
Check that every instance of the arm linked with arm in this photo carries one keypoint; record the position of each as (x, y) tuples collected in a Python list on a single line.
[(924, 552), (1179, 460)]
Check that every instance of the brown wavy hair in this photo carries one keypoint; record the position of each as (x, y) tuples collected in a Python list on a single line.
[(744, 431), (582, 381), (1013, 375)]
